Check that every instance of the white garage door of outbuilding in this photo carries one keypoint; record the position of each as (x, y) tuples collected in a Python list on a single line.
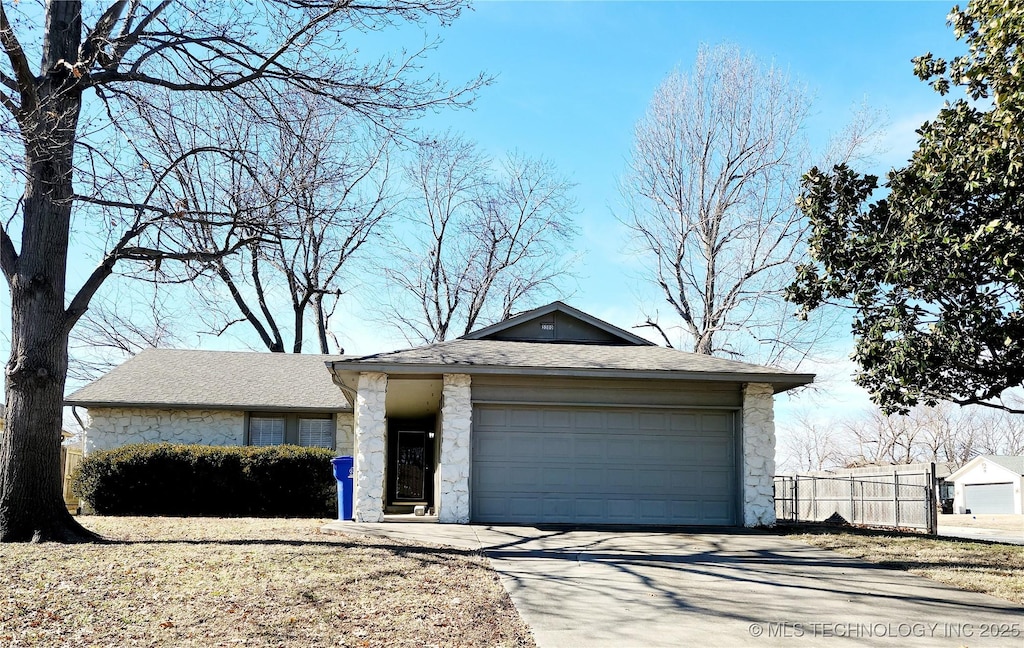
[(989, 498), (604, 465)]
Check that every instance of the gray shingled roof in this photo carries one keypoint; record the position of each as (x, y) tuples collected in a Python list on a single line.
[(221, 379), (1014, 463), (539, 358)]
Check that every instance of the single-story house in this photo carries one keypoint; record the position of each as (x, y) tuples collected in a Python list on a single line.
[(552, 416), (989, 484)]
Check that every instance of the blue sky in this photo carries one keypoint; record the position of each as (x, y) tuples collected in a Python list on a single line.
[(574, 77)]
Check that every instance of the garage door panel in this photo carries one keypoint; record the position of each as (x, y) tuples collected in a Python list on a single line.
[(554, 447), (555, 478), (716, 452), (490, 417), (653, 509), (589, 448), (684, 481), (712, 512), (989, 498), (524, 447), (620, 421), (603, 465), (716, 422), (557, 419), (654, 450), (716, 482), (653, 421), (524, 418), (655, 480), (586, 421), (623, 451), (491, 447), (684, 508), (686, 422), (557, 507)]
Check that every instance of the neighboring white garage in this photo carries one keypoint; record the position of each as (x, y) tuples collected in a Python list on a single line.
[(989, 484), (536, 464)]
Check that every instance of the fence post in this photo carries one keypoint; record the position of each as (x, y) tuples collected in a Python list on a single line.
[(814, 499), (895, 498), (862, 497), (853, 507), (932, 502), (796, 498)]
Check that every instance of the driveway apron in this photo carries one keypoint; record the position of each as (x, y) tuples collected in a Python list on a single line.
[(600, 588)]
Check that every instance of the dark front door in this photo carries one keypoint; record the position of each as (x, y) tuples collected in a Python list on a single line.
[(411, 462)]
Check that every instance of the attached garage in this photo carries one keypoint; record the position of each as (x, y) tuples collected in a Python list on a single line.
[(586, 465), (556, 417)]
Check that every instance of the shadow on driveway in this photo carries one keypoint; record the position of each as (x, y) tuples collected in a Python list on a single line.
[(600, 587)]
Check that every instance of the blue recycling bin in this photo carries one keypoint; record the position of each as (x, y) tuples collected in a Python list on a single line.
[(343, 473)]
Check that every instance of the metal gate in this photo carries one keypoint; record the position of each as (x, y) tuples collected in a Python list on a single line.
[(884, 499)]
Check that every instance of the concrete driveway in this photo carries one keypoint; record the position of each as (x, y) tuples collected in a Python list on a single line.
[(600, 588)]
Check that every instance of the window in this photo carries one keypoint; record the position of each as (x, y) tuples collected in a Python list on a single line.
[(273, 428), (266, 431), (317, 433)]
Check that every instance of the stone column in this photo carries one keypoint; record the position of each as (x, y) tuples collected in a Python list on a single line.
[(758, 455), (456, 423), (370, 447)]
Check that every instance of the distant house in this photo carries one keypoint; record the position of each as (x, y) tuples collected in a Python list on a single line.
[(552, 416), (989, 484)]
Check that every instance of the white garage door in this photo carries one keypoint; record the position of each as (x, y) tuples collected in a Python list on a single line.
[(989, 498), (603, 465)]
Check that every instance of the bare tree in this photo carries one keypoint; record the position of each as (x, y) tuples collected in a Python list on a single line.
[(314, 183), (882, 439), (710, 192), (811, 443), (69, 127), (118, 326), (485, 241)]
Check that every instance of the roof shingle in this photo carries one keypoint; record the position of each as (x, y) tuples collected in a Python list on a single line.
[(217, 379), (470, 355)]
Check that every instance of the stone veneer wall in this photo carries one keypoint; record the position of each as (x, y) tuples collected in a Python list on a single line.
[(344, 434), (117, 426), (370, 446), (758, 455), (456, 423)]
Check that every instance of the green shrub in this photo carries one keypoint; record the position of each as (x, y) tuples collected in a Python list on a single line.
[(168, 479)]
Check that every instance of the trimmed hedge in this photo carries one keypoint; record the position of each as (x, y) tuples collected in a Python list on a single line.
[(174, 479)]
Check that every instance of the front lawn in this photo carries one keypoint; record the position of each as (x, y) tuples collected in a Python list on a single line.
[(992, 568), (248, 582)]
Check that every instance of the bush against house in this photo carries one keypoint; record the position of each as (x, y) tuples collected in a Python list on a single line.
[(169, 479)]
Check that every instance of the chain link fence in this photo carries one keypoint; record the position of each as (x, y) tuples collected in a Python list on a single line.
[(895, 498)]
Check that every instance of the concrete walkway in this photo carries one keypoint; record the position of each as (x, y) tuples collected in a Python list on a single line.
[(599, 588)]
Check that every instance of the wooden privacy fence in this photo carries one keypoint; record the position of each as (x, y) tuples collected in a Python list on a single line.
[(70, 457), (880, 499)]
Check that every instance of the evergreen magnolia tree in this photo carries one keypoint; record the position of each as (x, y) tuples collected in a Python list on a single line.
[(68, 127), (935, 269)]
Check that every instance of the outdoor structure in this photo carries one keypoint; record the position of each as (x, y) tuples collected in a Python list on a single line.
[(989, 484), (552, 416)]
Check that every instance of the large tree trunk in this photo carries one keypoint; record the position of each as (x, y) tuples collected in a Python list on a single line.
[(31, 503)]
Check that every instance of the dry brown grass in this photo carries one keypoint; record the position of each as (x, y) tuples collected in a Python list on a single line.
[(251, 582), (996, 569)]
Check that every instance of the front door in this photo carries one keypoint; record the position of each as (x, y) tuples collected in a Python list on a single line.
[(411, 462)]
